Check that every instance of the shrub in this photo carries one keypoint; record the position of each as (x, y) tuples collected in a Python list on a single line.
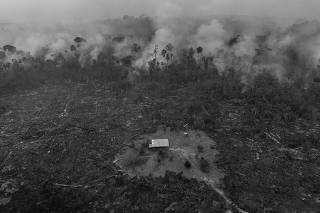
[(271, 101)]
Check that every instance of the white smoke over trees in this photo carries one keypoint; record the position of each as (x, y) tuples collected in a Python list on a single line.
[(233, 34)]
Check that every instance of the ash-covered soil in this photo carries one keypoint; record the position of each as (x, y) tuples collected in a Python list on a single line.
[(191, 153)]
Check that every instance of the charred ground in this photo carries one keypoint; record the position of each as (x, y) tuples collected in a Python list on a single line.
[(58, 142), (62, 124)]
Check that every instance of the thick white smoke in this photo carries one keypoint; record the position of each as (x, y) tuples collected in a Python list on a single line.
[(162, 38), (249, 43), (210, 36)]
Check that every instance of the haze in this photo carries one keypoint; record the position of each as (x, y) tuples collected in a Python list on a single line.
[(65, 11)]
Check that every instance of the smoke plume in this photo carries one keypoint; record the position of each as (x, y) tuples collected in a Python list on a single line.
[(248, 37)]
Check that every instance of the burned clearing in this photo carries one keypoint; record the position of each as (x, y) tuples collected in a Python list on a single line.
[(63, 160), (160, 114), (140, 160)]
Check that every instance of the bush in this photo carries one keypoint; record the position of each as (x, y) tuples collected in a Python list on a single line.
[(18, 79), (271, 101)]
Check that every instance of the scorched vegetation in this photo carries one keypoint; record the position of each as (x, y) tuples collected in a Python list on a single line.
[(68, 107)]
